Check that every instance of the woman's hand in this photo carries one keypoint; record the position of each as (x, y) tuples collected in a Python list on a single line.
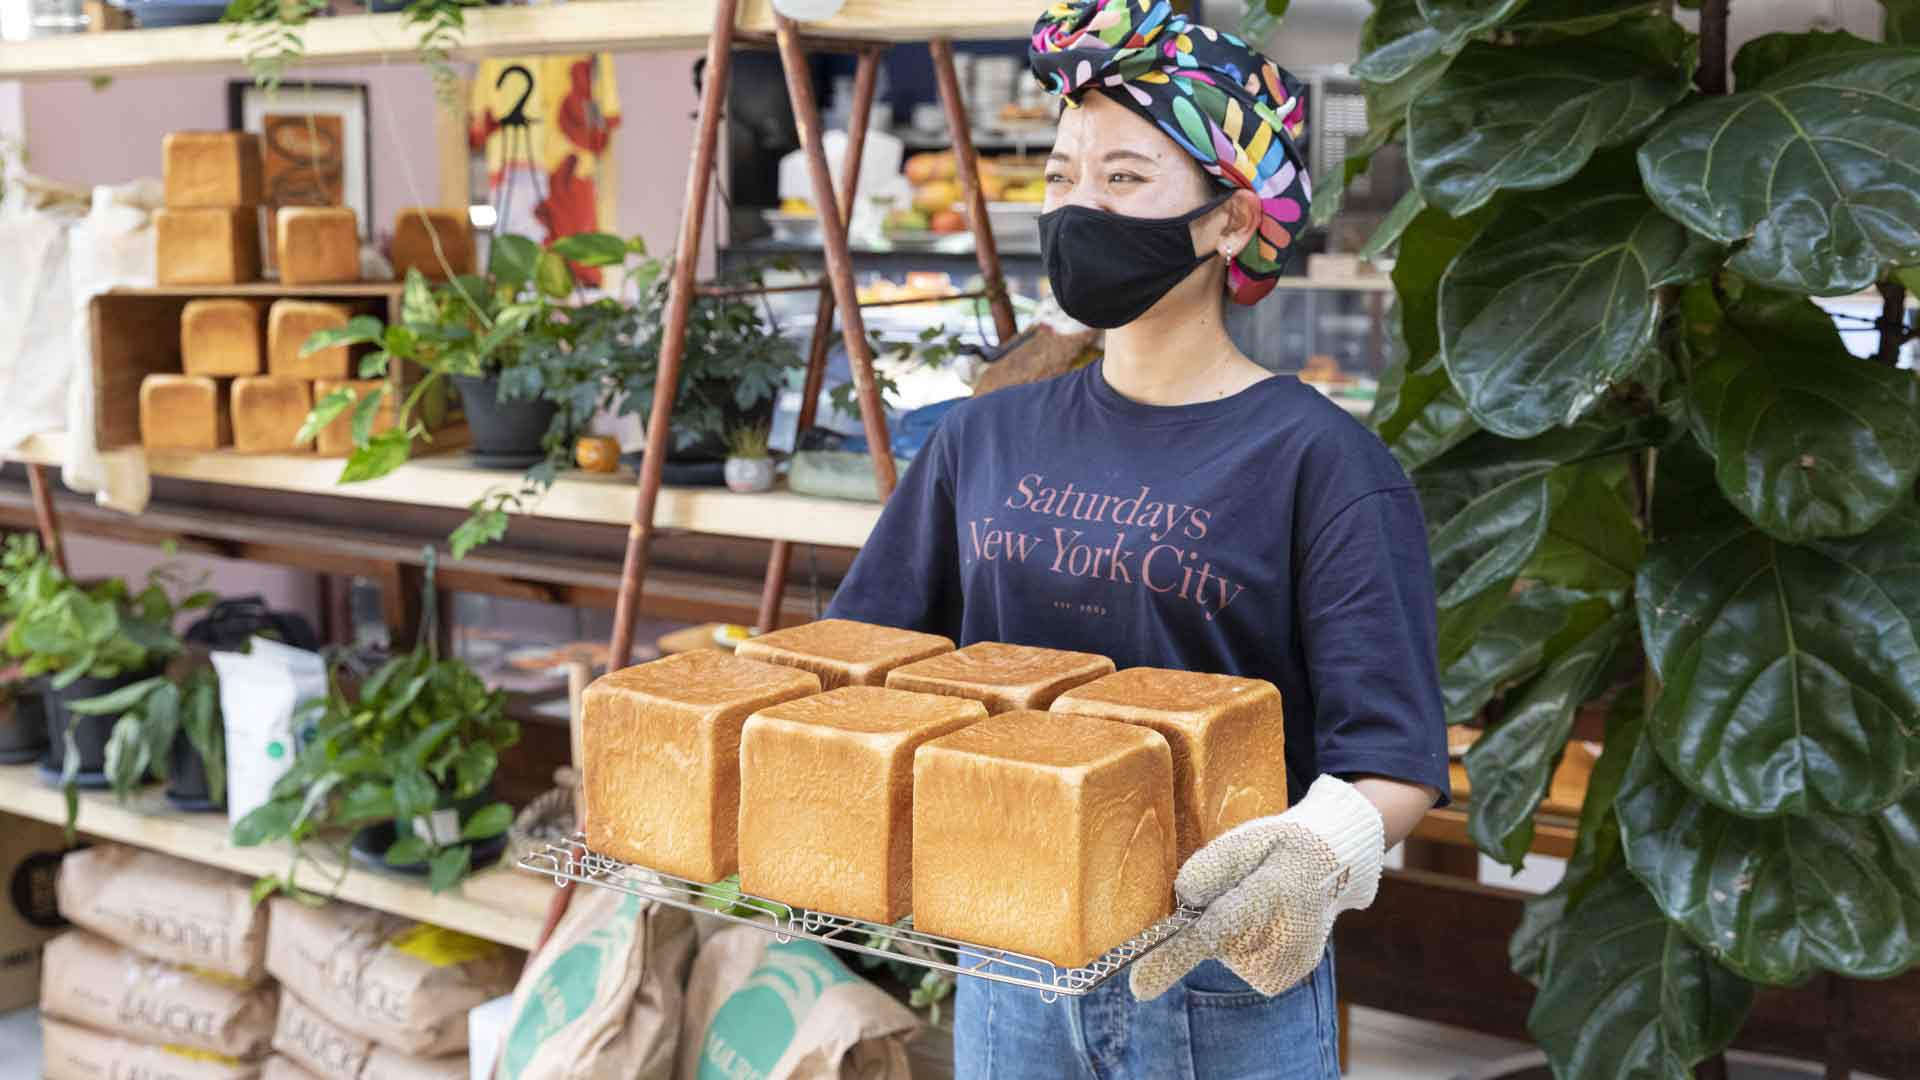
[(1271, 888)]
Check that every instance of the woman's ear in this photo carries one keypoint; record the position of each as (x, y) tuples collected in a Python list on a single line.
[(1243, 220)]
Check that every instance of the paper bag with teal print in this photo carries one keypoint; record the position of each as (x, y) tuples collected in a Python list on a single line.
[(761, 1009)]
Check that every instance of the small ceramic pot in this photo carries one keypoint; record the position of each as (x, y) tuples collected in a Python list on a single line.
[(749, 474)]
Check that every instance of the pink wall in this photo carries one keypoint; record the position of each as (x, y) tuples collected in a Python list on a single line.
[(111, 135)]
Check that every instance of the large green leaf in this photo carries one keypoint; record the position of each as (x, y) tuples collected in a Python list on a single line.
[(1902, 23), (1512, 644), (1593, 542), (1596, 843), (1809, 170), (1628, 995), (1554, 303), (1532, 117), (1490, 500), (1781, 898), (1561, 18), (1403, 34), (1511, 765), (1810, 440), (1417, 413), (1791, 673)]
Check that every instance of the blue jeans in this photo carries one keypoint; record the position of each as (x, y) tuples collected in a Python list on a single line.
[(1212, 1026)]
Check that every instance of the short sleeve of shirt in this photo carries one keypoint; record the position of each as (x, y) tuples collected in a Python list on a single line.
[(1367, 624), (907, 573)]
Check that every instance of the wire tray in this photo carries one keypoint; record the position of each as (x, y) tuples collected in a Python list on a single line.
[(572, 861)]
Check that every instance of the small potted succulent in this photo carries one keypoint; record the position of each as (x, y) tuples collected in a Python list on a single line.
[(399, 772), (749, 465)]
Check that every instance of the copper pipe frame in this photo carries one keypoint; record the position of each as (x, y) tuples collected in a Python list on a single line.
[(673, 344), (43, 516), (866, 77), (833, 232), (968, 166)]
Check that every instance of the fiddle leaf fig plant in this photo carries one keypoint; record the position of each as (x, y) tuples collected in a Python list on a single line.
[(1658, 482)]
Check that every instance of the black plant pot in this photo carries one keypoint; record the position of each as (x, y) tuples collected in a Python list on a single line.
[(506, 434), (371, 843), (187, 784), (23, 723), (90, 733), (711, 447)]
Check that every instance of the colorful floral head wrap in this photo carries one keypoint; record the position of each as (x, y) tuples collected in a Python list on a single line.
[(1238, 113)]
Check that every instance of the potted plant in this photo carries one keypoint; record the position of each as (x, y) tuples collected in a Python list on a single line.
[(749, 467), (531, 368), (91, 641), (398, 772), (25, 570), (169, 729)]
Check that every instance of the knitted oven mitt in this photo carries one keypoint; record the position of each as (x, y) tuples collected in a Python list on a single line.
[(1271, 887)]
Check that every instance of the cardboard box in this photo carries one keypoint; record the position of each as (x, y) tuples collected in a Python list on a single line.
[(29, 909)]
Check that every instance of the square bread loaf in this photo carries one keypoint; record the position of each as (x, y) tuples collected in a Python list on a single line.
[(662, 757), (336, 439), (1003, 677), (414, 233), (843, 652), (211, 168), (826, 797), (183, 412), (223, 336), (1047, 834), (1227, 734), (267, 413), (316, 245), (207, 246), (290, 323)]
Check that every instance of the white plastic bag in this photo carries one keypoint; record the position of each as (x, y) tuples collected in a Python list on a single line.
[(113, 247), (259, 692)]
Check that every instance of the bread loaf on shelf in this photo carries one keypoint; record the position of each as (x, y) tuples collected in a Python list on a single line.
[(290, 323), (207, 246), (336, 439), (316, 245), (843, 652), (414, 233), (211, 168), (1047, 834), (1227, 734), (662, 747), (223, 336), (1003, 677), (826, 797), (184, 412), (267, 413)]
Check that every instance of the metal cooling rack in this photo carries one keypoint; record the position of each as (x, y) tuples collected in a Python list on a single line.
[(572, 861)]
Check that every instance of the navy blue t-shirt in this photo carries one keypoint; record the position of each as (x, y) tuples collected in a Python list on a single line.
[(1267, 534)]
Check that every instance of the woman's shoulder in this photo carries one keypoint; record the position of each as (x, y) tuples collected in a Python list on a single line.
[(1330, 446)]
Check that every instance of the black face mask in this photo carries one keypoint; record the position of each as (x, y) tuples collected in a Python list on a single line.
[(1108, 269)]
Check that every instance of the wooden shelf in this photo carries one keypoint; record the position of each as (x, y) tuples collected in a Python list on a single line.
[(606, 25), (448, 480), (500, 903), (359, 290)]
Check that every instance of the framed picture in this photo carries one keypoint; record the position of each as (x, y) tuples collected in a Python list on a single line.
[(315, 144)]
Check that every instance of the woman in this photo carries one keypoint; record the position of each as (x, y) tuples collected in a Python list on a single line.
[(1176, 505)]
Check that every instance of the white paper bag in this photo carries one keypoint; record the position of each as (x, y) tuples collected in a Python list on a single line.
[(259, 692)]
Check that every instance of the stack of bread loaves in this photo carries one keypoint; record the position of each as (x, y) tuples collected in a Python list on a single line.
[(243, 382), (165, 976), (1010, 796)]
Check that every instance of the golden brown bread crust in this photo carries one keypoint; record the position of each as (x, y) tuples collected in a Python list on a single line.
[(414, 232), (290, 323), (223, 336), (183, 412), (1047, 834), (1001, 676), (317, 245), (826, 797), (267, 413), (843, 652), (1227, 734), (211, 168), (662, 768), (336, 439), (207, 246)]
